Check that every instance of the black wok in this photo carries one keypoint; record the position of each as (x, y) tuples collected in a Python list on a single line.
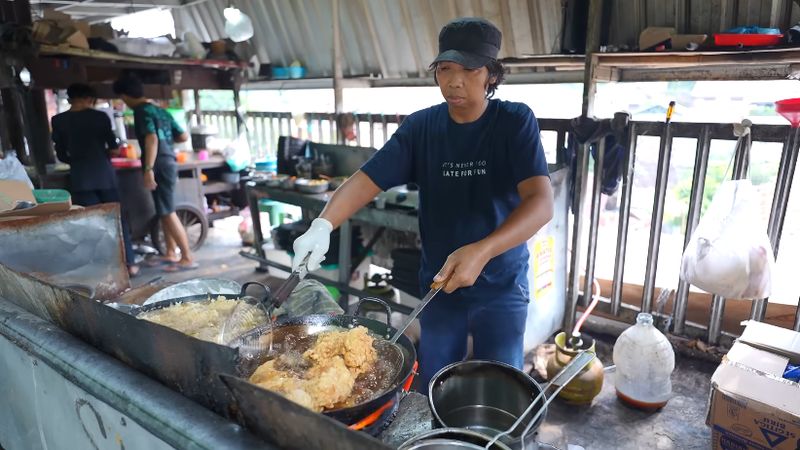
[(203, 297), (402, 354)]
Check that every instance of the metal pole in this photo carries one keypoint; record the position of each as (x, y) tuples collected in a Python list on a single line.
[(692, 219), (594, 28), (741, 162), (624, 219), (783, 186), (662, 176), (715, 321), (796, 326), (597, 187), (780, 200), (258, 232), (577, 227), (344, 259)]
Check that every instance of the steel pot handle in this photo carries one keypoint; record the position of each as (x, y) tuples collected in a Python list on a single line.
[(380, 302)]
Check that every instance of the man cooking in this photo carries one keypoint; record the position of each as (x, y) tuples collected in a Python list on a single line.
[(156, 131), (484, 191)]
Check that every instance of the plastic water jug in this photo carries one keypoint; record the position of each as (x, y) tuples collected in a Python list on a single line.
[(645, 360)]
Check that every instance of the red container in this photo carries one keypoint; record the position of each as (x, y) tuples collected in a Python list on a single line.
[(125, 163), (790, 109), (746, 40)]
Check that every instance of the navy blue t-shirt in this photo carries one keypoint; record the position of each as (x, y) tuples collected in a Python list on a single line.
[(468, 176)]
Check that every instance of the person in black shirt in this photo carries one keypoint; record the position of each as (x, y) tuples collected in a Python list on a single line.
[(84, 139)]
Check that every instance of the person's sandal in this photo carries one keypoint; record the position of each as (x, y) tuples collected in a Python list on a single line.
[(157, 261), (178, 267)]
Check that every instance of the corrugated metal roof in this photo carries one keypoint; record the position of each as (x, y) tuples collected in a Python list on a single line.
[(393, 39)]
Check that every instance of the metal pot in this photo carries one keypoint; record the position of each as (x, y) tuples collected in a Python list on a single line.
[(485, 396), (451, 439)]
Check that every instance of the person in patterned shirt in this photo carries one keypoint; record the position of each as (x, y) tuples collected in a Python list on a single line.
[(156, 131)]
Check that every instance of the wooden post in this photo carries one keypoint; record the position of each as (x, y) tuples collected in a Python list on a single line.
[(14, 124), (197, 109), (38, 130), (337, 67)]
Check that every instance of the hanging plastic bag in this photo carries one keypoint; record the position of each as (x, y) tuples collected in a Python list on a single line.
[(12, 169), (237, 153), (729, 253)]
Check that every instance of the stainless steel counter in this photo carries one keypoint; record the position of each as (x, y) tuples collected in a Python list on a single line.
[(61, 393)]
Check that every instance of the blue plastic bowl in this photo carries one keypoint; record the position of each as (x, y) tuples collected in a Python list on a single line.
[(280, 73), (297, 72)]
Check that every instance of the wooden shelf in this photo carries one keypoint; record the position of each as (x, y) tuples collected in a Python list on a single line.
[(218, 187), (116, 58), (766, 64)]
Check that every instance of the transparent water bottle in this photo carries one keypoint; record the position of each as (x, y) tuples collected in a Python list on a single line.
[(645, 360)]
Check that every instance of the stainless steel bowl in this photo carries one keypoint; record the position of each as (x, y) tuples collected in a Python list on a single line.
[(451, 439), (487, 397)]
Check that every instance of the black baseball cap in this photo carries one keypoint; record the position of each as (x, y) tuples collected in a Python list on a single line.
[(472, 42)]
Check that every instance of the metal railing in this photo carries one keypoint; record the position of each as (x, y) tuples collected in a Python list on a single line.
[(374, 130), (264, 128), (704, 134)]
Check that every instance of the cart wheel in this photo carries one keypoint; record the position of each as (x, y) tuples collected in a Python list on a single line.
[(194, 222)]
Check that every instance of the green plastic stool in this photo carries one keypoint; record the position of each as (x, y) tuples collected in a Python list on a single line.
[(275, 210), (334, 292)]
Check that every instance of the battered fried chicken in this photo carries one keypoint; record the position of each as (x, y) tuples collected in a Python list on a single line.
[(355, 346), (336, 359), (330, 382), (284, 383)]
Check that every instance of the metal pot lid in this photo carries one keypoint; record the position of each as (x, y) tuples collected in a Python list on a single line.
[(451, 438), (442, 444)]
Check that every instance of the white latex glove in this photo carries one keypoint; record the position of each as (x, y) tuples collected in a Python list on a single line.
[(314, 241)]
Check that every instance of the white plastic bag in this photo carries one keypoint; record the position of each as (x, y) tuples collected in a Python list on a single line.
[(12, 169), (237, 153), (729, 253)]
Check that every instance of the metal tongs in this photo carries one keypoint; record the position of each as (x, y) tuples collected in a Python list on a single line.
[(570, 371), (243, 313), (435, 288), (288, 286)]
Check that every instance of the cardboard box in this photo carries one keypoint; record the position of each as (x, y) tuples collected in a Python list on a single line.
[(12, 191), (751, 405), (58, 28)]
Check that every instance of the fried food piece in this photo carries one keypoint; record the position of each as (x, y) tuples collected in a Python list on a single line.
[(283, 383), (359, 354), (330, 382), (355, 346), (336, 360)]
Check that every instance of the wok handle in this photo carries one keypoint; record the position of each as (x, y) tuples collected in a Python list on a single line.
[(267, 292), (380, 302)]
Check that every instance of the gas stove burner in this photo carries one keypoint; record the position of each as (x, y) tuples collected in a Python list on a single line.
[(378, 421)]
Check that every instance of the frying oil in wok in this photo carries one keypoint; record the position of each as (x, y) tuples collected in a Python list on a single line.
[(287, 350)]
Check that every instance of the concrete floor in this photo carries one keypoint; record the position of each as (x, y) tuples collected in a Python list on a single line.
[(606, 424), (609, 424)]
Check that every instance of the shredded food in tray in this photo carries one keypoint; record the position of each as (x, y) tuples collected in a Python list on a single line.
[(324, 376), (202, 320)]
